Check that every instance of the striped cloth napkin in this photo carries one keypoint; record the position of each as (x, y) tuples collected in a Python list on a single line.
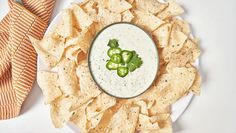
[(17, 56)]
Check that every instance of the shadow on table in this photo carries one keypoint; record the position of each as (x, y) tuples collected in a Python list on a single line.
[(32, 98)]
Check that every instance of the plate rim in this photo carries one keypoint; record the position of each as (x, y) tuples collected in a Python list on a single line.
[(176, 111)]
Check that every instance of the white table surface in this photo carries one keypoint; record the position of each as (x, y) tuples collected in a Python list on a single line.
[(214, 22)]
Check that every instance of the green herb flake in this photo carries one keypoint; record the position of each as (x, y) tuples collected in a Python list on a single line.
[(113, 43)]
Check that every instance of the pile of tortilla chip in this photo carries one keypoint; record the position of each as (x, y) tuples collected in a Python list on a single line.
[(70, 90)]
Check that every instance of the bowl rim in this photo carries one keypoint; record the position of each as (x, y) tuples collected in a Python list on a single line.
[(89, 62)]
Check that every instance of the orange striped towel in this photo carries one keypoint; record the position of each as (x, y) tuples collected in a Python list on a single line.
[(17, 56)]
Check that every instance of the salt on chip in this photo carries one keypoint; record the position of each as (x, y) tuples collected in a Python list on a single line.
[(173, 9), (99, 105), (61, 110), (127, 16), (117, 6), (144, 123), (181, 79), (162, 34), (151, 6), (48, 82), (147, 21), (67, 77), (66, 26), (83, 19), (50, 49), (124, 120)]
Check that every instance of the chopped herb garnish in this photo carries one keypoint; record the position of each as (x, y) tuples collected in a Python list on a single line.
[(113, 43), (124, 61), (135, 62)]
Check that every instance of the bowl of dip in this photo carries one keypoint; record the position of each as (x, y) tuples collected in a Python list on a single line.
[(130, 37)]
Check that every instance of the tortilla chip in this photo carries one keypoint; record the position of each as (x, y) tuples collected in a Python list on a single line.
[(79, 117), (144, 123), (187, 54), (117, 6), (91, 9), (124, 120), (86, 38), (151, 6), (99, 105), (49, 49), (161, 35), (147, 21), (53, 46), (48, 82), (176, 42), (106, 17), (71, 52), (67, 78), (87, 85), (94, 121), (196, 87), (180, 81), (194, 48), (72, 41), (127, 16), (143, 107), (130, 1), (66, 27), (165, 123), (179, 59), (83, 19), (60, 110), (150, 104), (181, 25), (81, 56), (103, 124), (173, 9), (88, 88)]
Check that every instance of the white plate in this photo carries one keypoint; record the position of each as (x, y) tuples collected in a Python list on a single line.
[(177, 108)]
